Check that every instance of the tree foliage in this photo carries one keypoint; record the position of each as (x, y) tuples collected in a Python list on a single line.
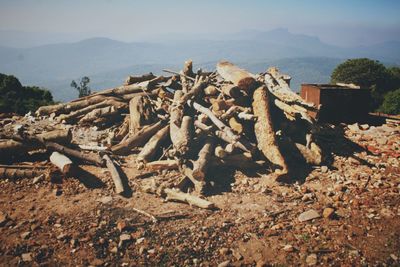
[(369, 74), (83, 86), (391, 103), (21, 99)]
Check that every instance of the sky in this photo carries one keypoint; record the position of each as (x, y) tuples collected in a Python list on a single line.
[(338, 22)]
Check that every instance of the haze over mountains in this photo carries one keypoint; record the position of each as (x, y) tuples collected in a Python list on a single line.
[(107, 62)]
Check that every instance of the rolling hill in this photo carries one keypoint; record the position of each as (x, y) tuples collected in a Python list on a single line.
[(107, 61)]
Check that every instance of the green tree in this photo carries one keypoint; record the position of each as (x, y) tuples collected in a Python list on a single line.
[(391, 103), (83, 87), (366, 73), (20, 99)]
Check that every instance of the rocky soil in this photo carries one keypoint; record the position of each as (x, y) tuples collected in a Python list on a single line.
[(345, 213)]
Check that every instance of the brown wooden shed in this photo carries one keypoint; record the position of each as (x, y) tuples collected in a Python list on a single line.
[(338, 103)]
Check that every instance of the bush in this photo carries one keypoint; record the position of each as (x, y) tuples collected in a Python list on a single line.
[(369, 74), (391, 103), (15, 98)]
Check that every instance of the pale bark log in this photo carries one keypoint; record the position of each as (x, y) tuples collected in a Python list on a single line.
[(70, 106), (138, 139), (119, 186), (239, 77), (200, 166), (162, 165), (231, 90), (87, 157), (61, 162), (98, 113), (140, 113), (225, 132), (15, 173), (210, 90), (153, 144), (177, 195), (236, 126), (58, 136), (264, 129), (137, 79)]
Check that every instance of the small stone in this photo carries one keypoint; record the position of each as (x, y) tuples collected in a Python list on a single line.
[(288, 248), (122, 225), (96, 262), (394, 257), (105, 199), (124, 237), (328, 213), (261, 263), (114, 250), (26, 257), (324, 169), (25, 235), (262, 226), (308, 215), (364, 126), (151, 251), (224, 263), (311, 259)]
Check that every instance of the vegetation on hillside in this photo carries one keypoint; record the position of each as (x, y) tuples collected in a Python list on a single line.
[(15, 98), (373, 75), (83, 86)]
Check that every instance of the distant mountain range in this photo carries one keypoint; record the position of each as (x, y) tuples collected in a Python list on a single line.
[(107, 61)]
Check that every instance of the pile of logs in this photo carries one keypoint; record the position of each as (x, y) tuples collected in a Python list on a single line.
[(189, 121)]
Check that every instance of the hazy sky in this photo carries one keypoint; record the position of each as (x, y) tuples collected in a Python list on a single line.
[(342, 22)]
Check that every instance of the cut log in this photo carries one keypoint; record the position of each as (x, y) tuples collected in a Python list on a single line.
[(264, 129), (98, 113), (238, 161), (210, 90), (119, 186), (236, 126), (57, 136), (188, 68), (162, 165), (177, 195), (220, 152), (137, 79), (87, 157), (11, 147), (231, 90), (123, 129), (141, 113), (182, 138), (61, 162), (80, 112), (153, 144), (225, 132), (70, 106), (17, 173), (239, 77), (197, 88), (138, 139), (201, 165)]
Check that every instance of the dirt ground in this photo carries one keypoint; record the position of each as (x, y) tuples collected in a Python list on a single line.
[(353, 202)]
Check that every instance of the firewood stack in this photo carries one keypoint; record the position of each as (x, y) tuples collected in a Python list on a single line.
[(192, 121)]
